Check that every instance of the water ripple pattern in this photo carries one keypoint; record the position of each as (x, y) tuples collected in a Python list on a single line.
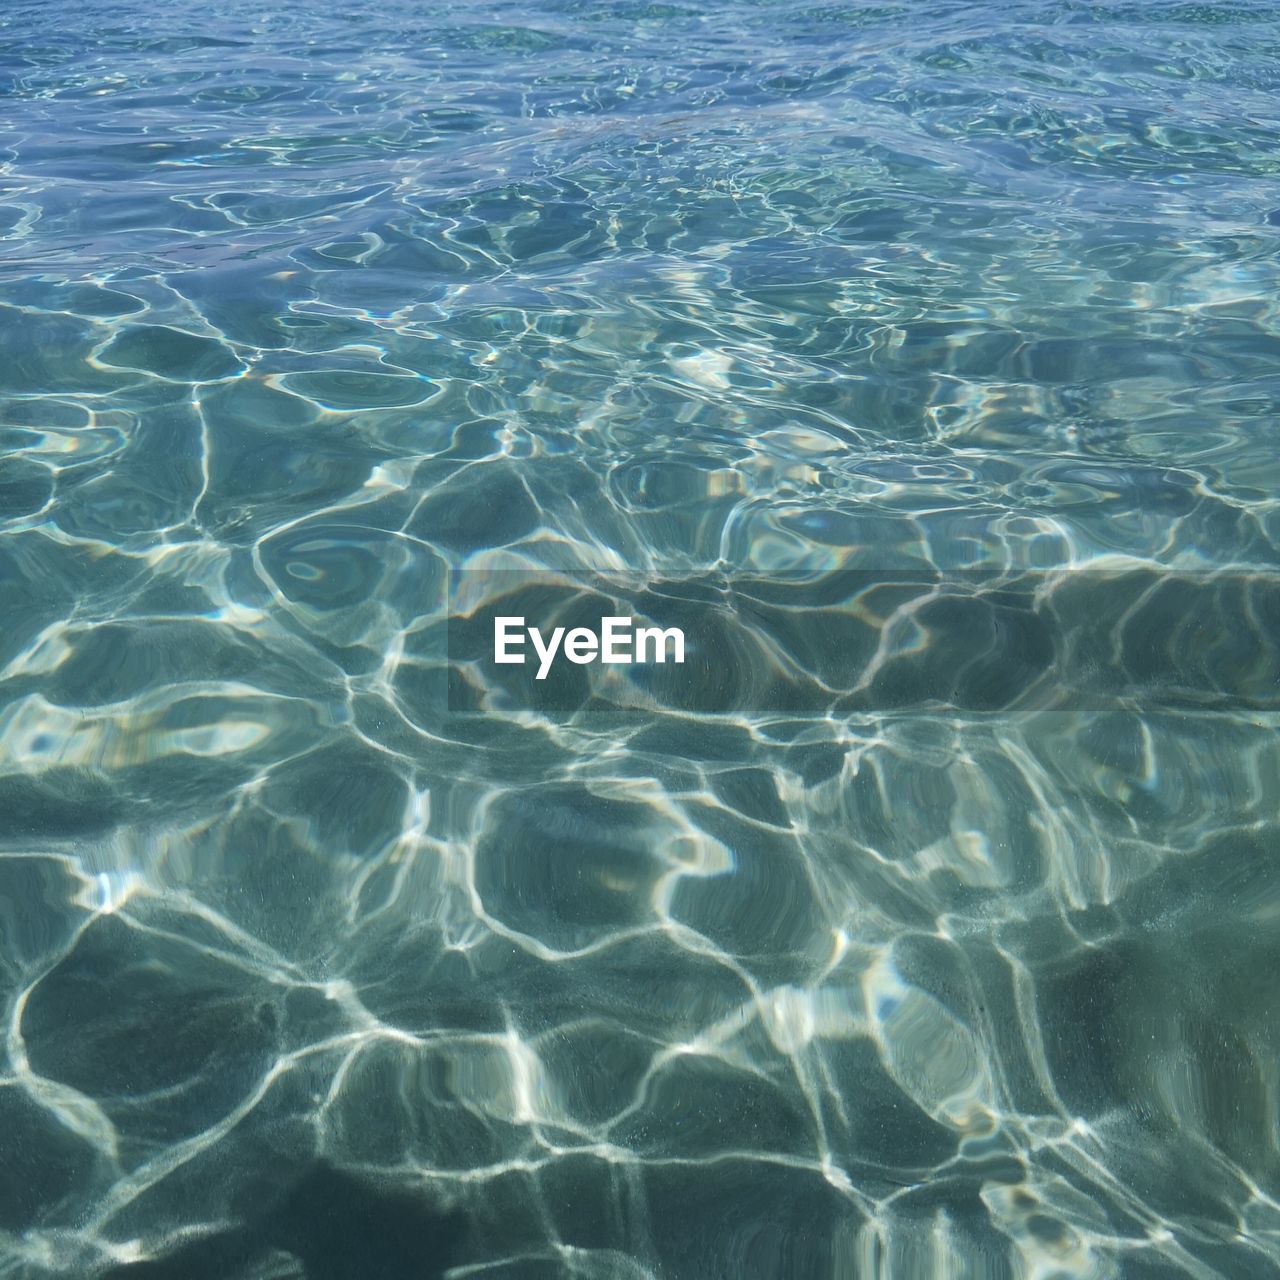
[(311, 311)]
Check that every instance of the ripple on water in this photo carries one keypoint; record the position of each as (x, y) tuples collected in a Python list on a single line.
[(922, 924)]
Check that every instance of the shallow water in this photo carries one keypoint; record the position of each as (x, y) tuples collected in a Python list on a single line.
[(924, 357)]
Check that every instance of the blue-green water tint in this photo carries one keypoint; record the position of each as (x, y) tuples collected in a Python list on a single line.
[(305, 306)]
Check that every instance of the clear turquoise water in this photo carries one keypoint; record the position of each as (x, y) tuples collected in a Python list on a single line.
[(927, 355)]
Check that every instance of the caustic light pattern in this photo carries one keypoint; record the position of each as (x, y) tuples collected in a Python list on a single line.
[(319, 959)]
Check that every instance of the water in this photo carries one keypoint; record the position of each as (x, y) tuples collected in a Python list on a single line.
[(924, 356)]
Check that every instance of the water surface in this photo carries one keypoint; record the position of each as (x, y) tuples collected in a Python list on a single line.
[(931, 930)]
